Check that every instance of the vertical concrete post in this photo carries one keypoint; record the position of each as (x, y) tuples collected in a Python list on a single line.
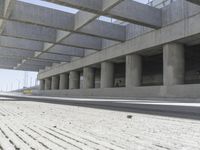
[(42, 82), (74, 79), (88, 77), (174, 64), (55, 82), (64, 81), (133, 70), (107, 74), (47, 84)]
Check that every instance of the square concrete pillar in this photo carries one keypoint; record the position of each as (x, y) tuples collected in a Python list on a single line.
[(74, 80), (47, 84), (107, 74), (88, 77), (55, 83), (133, 70), (174, 64), (64, 81), (42, 84)]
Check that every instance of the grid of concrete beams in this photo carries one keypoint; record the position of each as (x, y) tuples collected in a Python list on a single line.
[(33, 37)]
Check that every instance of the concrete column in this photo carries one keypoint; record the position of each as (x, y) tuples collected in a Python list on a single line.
[(74, 79), (88, 77), (47, 84), (107, 74), (55, 83), (64, 81), (174, 64), (42, 82), (133, 70)]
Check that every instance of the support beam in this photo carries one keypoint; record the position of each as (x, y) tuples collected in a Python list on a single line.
[(46, 17), (47, 84), (6, 9), (133, 70), (127, 10), (88, 78), (74, 80), (174, 64), (55, 83), (59, 58), (20, 43), (107, 74), (42, 84), (83, 41), (194, 1), (64, 81), (15, 52), (66, 50), (29, 31)]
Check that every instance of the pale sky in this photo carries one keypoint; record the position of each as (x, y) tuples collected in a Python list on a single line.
[(13, 79)]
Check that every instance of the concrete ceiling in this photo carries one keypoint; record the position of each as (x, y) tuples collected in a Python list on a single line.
[(33, 37)]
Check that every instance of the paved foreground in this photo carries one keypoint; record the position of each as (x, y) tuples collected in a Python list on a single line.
[(35, 125)]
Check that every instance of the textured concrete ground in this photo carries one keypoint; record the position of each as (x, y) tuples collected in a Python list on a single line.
[(34, 125)]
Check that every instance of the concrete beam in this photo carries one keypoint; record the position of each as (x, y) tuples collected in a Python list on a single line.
[(83, 41), (66, 50), (37, 15), (30, 68), (59, 58), (29, 31), (194, 1), (6, 9), (9, 62), (88, 5), (108, 30), (137, 13), (20, 43), (43, 34), (15, 52), (36, 62), (34, 14), (183, 29), (127, 10)]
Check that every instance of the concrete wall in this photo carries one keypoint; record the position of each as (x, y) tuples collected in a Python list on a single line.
[(177, 91)]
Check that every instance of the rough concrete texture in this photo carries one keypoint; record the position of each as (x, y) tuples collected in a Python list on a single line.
[(32, 125), (64, 81), (133, 70), (47, 84), (55, 83), (179, 91), (74, 80), (42, 84), (174, 64), (88, 77), (107, 74)]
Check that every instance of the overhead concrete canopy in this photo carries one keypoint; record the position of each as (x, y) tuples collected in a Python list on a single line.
[(33, 37)]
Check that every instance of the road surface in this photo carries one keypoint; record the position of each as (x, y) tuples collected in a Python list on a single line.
[(35, 125)]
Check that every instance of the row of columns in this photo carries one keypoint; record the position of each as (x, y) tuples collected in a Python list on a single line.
[(173, 70)]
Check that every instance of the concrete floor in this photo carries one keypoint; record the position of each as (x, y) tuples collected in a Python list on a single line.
[(36, 125)]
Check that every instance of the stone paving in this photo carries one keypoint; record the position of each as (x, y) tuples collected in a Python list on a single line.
[(42, 126)]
